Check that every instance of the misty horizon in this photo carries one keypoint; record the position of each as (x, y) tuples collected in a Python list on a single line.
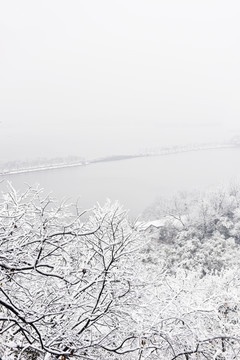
[(99, 78)]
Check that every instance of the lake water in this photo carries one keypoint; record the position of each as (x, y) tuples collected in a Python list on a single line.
[(137, 183)]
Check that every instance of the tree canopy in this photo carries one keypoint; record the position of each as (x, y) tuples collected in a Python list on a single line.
[(81, 285)]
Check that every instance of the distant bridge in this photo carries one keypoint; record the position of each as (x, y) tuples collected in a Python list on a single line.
[(154, 152)]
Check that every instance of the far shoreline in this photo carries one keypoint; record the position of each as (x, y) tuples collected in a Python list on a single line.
[(112, 158)]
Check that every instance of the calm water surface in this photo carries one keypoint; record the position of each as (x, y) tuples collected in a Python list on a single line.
[(137, 183)]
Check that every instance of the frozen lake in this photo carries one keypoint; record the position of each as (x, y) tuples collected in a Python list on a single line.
[(136, 183)]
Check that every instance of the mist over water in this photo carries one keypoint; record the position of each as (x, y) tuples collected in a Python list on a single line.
[(92, 79), (136, 183)]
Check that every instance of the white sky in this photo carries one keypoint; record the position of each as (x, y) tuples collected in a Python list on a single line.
[(98, 77)]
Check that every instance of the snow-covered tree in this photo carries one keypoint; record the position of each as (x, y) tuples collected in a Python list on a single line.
[(64, 284), (90, 287)]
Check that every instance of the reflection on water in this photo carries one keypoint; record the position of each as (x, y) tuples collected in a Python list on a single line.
[(137, 183)]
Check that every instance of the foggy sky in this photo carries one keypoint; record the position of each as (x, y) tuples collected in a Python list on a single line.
[(112, 76)]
